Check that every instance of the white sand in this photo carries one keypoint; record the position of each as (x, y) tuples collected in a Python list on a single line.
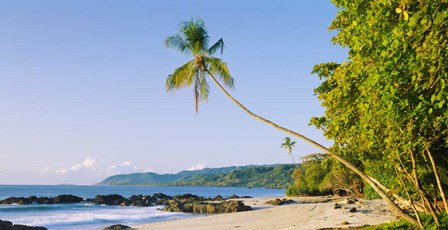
[(307, 213)]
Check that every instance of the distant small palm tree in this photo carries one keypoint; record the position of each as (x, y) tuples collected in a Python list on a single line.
[(193, 39), (288, 145)]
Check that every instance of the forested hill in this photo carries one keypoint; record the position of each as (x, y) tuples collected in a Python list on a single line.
[(269, 176)]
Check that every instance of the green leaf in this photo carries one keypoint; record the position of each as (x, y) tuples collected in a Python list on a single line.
[(406, 15)]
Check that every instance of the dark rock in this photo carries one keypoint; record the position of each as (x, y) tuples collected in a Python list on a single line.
[(218, 198), (337, 206), (19, 200), (277, 201), (65, 199), (111, 199), (117, 227), (206, 207), (162, 199), (162, 196), (189, 197), (5, 223), (8, 225), (352, 210), (142, 201), (245, 197), (42, 200)]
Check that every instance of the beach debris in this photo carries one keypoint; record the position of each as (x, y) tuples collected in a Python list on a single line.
[(345, 222), (349, 201), (352, 210), (337, 206)]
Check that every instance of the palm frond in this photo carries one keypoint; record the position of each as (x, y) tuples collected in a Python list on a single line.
[(196, 35), (177, 42), (204, 87), (182, 76), (219, 45), (219, 68)]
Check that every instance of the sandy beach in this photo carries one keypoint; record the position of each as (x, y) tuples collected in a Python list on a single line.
[(304, 213)]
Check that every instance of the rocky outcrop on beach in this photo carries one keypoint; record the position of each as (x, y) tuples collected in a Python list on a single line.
[(277, 201), (61, 199), (181, 203), (8, 225), (199, 207), (118, 227)]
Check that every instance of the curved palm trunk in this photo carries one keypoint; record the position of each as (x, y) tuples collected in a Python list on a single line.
[(366, 178)]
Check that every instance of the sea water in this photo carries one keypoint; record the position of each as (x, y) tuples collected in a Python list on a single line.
[(92, 216)]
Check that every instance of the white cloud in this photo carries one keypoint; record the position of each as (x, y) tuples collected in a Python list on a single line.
[(89, 171), (197, 167), (89, 162), (61, 171), (92, 170)]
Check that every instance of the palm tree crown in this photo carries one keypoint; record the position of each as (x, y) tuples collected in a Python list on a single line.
[(193, 39), (288, 145)]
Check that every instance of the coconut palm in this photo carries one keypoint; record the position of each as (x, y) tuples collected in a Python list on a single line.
[(288, 145), (193, 39)]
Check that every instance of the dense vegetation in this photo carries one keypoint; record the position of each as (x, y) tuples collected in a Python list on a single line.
[(387, 105), (268, 176), (320, 175)]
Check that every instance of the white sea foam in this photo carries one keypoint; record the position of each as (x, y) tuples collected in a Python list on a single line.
[(82, 215)]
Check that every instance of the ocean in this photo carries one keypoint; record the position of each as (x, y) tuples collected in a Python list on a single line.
[(91, 216)]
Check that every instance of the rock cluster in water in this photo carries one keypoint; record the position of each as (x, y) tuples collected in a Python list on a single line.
[(61, 199), (181, 203), (8, 225)]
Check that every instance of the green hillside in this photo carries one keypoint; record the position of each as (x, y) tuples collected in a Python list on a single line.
[(269, 176)]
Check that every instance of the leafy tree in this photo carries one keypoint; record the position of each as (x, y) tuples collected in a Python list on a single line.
[(386, 106), (320, 175), (193, 39), (288, 145)]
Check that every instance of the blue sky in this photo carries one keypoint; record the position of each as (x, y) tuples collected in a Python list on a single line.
[(82, 86)]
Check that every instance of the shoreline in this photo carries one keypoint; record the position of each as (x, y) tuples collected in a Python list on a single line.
[(304, 213)]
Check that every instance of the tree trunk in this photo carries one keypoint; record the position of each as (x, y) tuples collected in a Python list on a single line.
[(394, 207), (439, 183)]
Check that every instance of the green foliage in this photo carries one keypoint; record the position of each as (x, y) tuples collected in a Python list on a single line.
[(320, 175), (396, 225), (268, 176), (387, 105), (193, 39), (427, 221), (253, 176)]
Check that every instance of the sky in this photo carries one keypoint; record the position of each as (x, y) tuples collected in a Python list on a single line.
[(82, 93)]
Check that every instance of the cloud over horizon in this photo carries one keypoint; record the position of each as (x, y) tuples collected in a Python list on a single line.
[(89, 171), (197, 167)]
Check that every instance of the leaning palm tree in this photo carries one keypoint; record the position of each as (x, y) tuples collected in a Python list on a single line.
[(193, 39), (288, 145)]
